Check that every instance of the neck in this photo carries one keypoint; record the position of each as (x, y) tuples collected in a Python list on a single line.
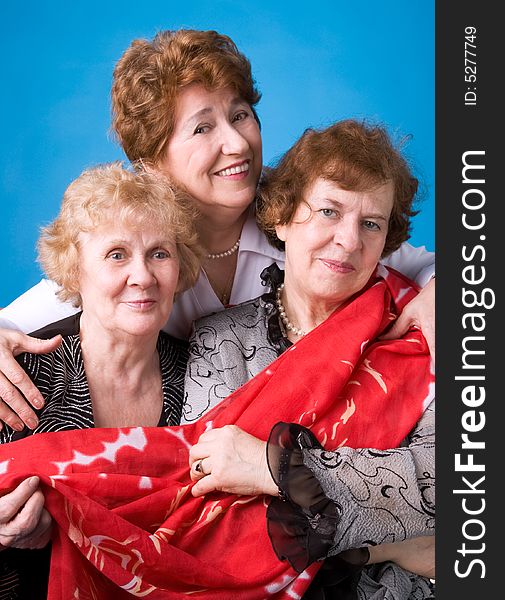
[(218, 232), (302, 310), (119, 354)]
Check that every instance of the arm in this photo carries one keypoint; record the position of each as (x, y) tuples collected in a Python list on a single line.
[(416, 555), (36, 308), (419, 312), (359, 497), (17, 391), (24, 522), (418, 265), (385, 496)]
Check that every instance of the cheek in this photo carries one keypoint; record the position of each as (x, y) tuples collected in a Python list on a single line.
[(169, 281), (255, 141), (375, 251)]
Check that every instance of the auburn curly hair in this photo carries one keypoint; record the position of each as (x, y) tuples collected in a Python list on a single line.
[(356, 155), (150, 74)]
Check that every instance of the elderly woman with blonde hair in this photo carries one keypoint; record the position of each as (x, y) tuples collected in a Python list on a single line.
[(121, 248)]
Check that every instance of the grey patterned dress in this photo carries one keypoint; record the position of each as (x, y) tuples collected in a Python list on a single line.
[(383, 496)]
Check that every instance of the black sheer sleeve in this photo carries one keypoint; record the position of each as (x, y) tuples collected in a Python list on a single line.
[(302, 522)]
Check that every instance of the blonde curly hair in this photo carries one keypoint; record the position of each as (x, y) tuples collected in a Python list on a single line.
[(112, 192)]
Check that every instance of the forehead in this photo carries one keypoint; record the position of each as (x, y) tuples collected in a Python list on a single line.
[(127, 230), (196, 97), (379, 198)]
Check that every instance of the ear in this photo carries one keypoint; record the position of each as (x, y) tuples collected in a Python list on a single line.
[(280, 231)]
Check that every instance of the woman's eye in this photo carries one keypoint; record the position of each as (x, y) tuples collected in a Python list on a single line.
[(161, 254), (116, 255), (202, 129), (327, 212), (241, 116), (371, 225)]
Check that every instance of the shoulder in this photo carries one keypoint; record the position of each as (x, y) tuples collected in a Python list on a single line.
[(245, 313), (235, 336), (40, 367), (173, 351), (67, 326)]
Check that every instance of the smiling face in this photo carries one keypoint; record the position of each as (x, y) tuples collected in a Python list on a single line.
[(127, 278), (215, 149), (333, 247)]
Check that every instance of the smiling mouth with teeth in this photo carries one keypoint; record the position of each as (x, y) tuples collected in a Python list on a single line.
[(244, 167)]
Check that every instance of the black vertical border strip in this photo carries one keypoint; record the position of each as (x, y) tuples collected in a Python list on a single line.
[(460, 128)]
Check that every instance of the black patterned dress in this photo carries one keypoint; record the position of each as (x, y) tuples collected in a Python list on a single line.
[(61, 379)]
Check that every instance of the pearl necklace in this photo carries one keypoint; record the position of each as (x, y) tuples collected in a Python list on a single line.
[(229, 252), (284, 317)]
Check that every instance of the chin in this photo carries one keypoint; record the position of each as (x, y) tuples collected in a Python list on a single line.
[(143, 329)]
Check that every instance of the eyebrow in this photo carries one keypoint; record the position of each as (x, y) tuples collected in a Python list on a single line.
[(197, 116), (194, 118), (156, 244), (338, 204)]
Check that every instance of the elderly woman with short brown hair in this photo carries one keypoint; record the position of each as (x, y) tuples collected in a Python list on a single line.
[(338, 200), (184, 104), (121, 247)]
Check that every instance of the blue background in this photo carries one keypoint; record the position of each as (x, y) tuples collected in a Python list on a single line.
[(315, 62)]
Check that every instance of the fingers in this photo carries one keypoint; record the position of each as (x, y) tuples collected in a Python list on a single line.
[(404, 322), (40, 536), (210, 442), (230, 460), (206, 485), (399, 327), (14, 410), (200, 468), (428, 330), (24, 523), (199, 461), (419, 312), (12, 503), (17, 391), (20, 342)]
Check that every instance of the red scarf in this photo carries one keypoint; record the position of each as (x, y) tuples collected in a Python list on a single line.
[(126, 522)]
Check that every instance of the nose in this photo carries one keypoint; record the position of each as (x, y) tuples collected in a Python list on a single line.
[(348, 235), (141, 274), (233, 142)]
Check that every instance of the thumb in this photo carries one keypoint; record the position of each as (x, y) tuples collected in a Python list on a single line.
[(399, 327), (37, 345)]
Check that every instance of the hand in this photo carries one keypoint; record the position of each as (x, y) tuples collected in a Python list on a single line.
[(416, 555), (24, 522), (230, 460), (15, 383), (420, 312)]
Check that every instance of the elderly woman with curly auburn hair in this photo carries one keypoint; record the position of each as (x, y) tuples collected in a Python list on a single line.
[(184, 104), (338, 201), (121, 248)]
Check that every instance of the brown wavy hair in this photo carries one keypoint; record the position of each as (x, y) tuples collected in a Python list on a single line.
[(150, 74), (355, 155)]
